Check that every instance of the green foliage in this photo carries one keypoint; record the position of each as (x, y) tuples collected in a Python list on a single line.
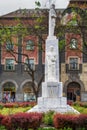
[(2, 128), (76, 104), (9, 111), (81, 109), (66, 128), (48, 118), (37, 3), (61, 44), (6, 33), (1, 106), (19, 29)]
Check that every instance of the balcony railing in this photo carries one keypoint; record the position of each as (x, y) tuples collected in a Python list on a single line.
[(74, 69)]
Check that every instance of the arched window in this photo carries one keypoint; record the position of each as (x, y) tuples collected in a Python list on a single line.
[(28, 92), (8, 94), (30, 45)]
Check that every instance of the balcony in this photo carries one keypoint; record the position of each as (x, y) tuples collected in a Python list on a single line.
[(74, 69)]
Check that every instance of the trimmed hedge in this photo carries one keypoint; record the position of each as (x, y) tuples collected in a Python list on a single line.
[(22, 121), (65, 120), (33, 120), (75, 122)]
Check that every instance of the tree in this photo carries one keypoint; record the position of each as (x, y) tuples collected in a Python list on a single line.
[(20, 29)]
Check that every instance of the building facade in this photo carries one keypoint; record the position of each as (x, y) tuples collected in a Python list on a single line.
[(14, 79), (74, 66)]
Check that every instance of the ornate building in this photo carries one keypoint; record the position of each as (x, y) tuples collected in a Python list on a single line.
[(14, 78), (74, 66)]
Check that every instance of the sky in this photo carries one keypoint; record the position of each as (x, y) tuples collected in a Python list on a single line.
[(7, 6)]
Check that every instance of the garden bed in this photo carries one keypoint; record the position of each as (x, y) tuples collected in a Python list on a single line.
[(13, 120)]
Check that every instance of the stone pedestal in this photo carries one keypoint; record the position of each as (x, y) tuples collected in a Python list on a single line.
[(52, 99), (52, 89)]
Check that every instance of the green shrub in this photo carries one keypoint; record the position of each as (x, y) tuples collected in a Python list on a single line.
[(1, 106), (66, 128), (48, 118), (76, 103), (2, 127)]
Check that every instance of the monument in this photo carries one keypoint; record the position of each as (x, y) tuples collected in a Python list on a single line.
[(52, 89)]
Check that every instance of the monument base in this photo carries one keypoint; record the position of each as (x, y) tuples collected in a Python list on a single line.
[(52, 99), (53, 104)]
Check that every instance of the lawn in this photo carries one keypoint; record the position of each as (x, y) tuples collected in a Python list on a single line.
[(82, 110), (12, 108), (9, 111)]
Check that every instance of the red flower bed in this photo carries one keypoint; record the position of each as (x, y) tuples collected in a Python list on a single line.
[(26, 104), (9, 105), (18, 104)]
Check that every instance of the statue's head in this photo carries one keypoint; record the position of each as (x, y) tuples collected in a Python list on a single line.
[(53, 6)]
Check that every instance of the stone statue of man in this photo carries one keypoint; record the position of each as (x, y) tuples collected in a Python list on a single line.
[(51, 62), (52, 19)]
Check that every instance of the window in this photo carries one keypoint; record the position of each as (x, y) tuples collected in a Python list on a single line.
[(30, 45), (29, 96), (28, 92), (29, 63), (73, 43), (9, 64), (9, 45), (73, 64)]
